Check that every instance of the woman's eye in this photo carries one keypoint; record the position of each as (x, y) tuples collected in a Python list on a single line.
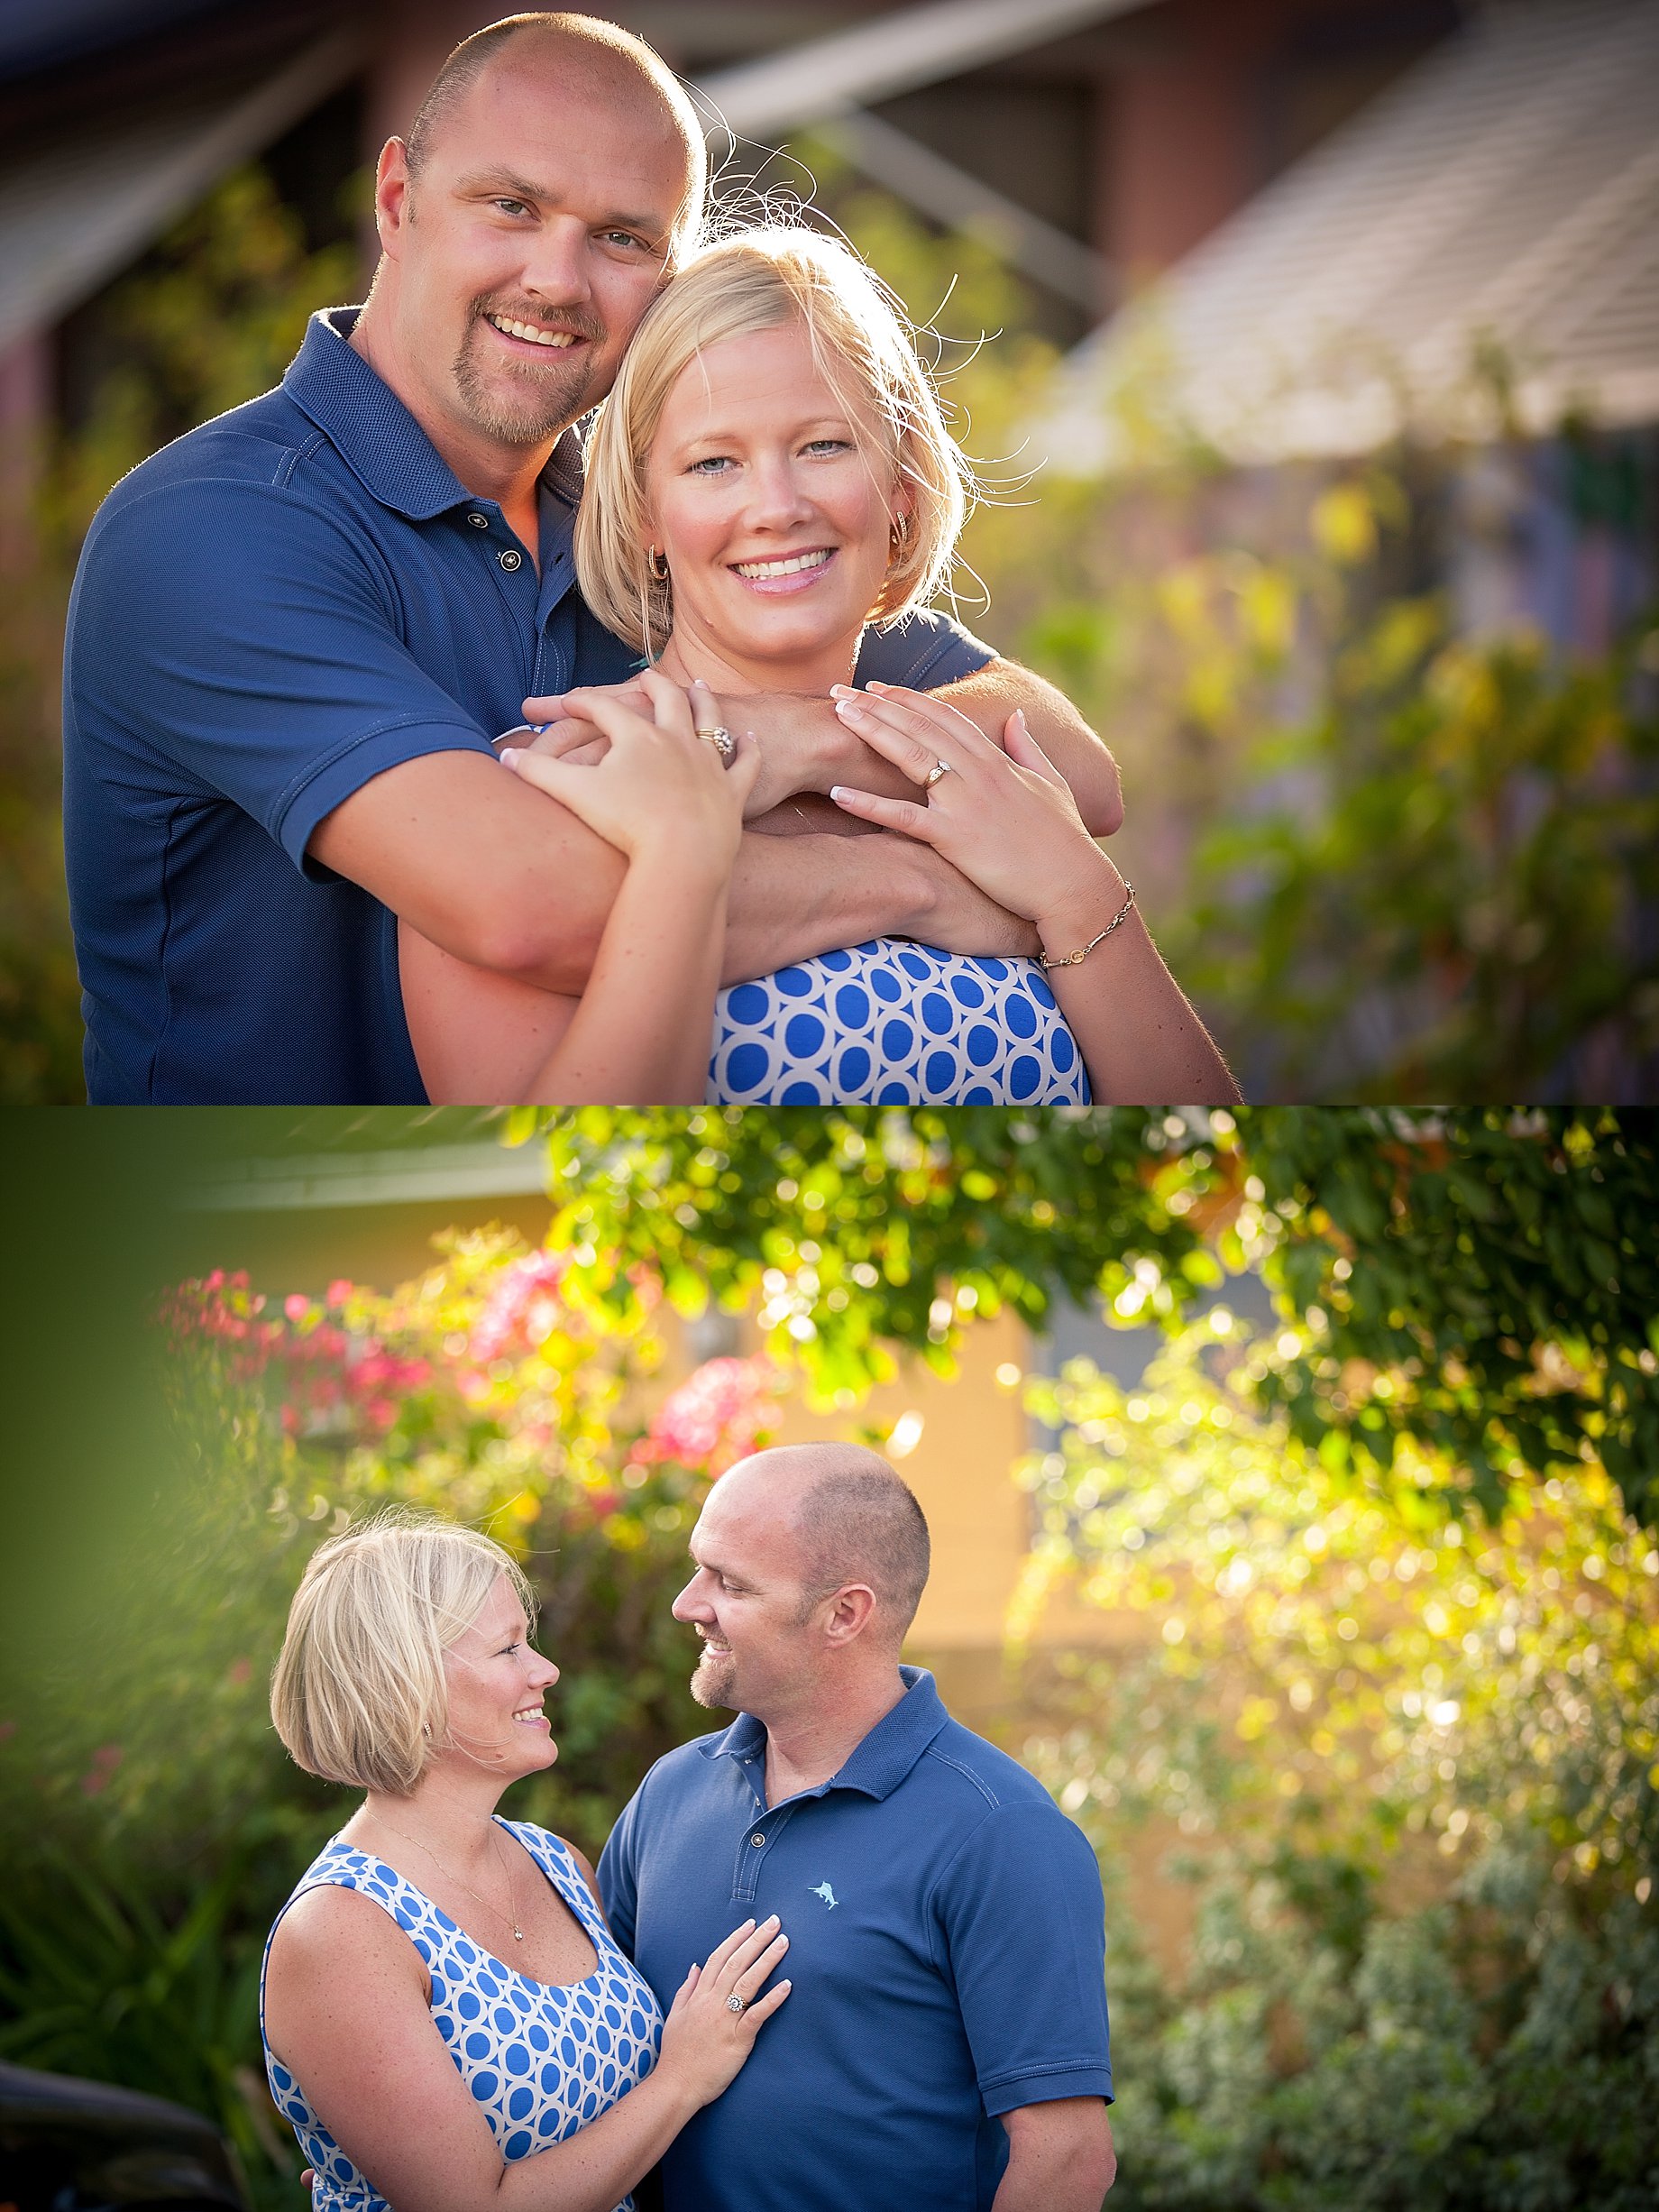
[(828, 445), (711, 464)]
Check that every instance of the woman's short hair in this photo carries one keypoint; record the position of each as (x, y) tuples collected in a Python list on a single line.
[(358, 1694), (752, 281)]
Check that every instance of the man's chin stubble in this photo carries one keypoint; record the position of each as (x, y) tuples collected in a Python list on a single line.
[(713, 1680), (553, 399)]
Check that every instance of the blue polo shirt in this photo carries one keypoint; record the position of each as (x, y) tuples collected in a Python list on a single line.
[(267, 613), (946, 1958)]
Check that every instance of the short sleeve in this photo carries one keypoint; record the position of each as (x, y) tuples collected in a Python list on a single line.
[(1021, 1917), (252, 642), (617, 1880), (921, 650)]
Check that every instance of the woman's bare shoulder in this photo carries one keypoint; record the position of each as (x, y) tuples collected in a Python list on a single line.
[(330, 1923)]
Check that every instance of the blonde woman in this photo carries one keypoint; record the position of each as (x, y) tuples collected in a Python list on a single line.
[(771, 474), (448, 2024)]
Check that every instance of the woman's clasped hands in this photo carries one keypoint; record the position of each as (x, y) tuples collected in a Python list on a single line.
[(660, 787), (1002, 813)]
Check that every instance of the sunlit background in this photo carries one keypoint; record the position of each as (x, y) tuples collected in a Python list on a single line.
[(1294, 1484), (1316, 408)]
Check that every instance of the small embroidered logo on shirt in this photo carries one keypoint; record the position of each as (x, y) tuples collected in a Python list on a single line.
[(823, 1890)]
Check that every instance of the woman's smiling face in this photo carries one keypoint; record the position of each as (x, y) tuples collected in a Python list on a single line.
[(772, 496), (496, 1679)]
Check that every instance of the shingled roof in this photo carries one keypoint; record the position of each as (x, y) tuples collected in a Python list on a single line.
[(1501, 200)]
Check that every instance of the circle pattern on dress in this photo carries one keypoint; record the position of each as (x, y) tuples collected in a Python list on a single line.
[(540, 2059), (891, 1023)]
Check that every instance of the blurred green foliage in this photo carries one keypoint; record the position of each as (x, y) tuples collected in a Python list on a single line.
[(1391, 861), (1409, 1774), (39, 998), (1483, 1284)]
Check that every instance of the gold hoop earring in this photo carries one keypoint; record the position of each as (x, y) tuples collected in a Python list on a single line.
[(897, 535), (658, 565)]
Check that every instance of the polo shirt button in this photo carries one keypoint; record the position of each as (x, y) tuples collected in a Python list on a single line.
[(757, 1838), (509, 559), (479, 522)]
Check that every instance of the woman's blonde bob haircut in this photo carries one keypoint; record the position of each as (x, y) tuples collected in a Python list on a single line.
[(358, 1694), (759, 279)]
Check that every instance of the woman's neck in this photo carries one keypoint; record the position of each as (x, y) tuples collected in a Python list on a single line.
[(733, 675), (453, 1825)]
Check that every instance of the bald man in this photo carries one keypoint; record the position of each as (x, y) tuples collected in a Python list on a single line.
[(295, 631), (944, 2046)]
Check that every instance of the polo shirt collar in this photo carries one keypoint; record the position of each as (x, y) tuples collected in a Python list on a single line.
[(378, 438), (880, 1762)]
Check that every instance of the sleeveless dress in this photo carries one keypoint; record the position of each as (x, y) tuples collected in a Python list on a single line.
[(541, 2059), (892, 1023)]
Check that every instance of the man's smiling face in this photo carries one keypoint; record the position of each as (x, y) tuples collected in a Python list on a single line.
[(746, 1599), (533, 237)]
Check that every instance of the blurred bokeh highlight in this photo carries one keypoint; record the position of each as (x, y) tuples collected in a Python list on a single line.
[(1310, 349)]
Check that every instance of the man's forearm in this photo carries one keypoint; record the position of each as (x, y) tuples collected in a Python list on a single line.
[(1060, 2158), (793, 897), (990, 695)]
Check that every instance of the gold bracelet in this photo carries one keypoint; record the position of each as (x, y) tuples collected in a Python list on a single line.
[(1071, 959)]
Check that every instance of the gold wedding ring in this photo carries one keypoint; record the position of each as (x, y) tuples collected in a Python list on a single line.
[(940, 767), (721, 740)]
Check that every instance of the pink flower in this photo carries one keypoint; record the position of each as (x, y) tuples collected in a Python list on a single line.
[(297, 1307), (337, 1292), (715, 1416), (522, 1309), (104, 1763)]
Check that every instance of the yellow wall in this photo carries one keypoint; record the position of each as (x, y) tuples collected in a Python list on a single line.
[(972, 1429)]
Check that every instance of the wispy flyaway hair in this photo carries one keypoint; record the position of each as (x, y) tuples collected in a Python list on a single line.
[(757, 280), (358, 1694)]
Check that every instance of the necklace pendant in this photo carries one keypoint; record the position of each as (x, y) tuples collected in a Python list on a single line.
[(518, 1935)]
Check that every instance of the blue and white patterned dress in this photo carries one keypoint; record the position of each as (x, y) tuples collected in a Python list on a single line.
[(541, 2059), (892, 1023)]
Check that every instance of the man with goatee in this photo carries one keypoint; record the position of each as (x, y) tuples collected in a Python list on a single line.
[(945, 2043)]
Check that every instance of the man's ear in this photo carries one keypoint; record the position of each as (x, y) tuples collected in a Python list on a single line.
[(391, 195), (850, 1611)]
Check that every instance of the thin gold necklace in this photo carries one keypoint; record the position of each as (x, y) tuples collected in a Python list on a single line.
[(510, 1918)]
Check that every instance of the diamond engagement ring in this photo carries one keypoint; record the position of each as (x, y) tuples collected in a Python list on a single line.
[(734, 2003), (721, 740), (940, 767)]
